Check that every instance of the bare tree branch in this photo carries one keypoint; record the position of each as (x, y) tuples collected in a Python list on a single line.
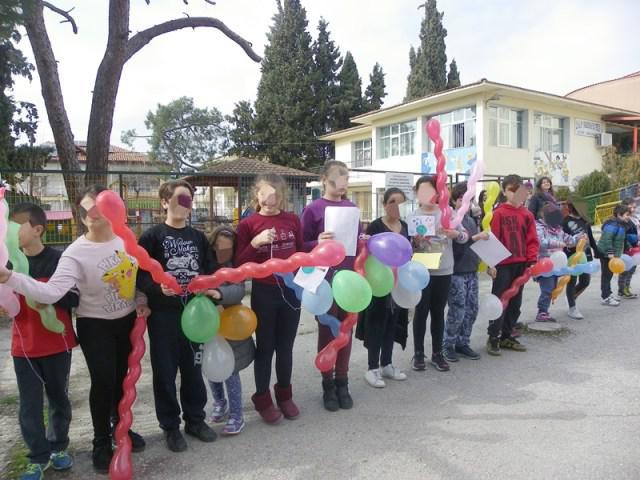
[(210, 2), (140, 39), (65, 14)]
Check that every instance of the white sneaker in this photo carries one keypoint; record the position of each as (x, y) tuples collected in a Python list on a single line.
[(575, 313), (374, 378), (610, 301), (389, 371), (615, 297)]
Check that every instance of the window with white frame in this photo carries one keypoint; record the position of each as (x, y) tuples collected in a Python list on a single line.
[(397, 140), (361, 153), (458, 128), (506, 127), (549, 132)]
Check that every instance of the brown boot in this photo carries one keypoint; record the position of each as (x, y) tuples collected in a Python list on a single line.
[(284, 401), (265, 407)]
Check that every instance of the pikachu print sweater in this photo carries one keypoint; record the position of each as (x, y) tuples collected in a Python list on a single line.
[(103, 275)]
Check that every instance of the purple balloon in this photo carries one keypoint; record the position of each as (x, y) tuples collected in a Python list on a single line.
[(392, 249)]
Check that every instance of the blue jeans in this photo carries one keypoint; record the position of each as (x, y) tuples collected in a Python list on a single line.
[(547, 284), (463, 309)]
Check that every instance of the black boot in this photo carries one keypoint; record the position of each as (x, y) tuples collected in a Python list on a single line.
[(342, 391), (329, 396)]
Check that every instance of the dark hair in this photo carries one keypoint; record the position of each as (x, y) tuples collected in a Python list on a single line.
[(222, 231), (392, 191), (167, 188), (330, 165), (91, 191), (512, 180), (572, 209), (628, 201), (35, 212), (547, 207), (483, 193), (426, 179), (620, 209), (539, 185), (458, 190)]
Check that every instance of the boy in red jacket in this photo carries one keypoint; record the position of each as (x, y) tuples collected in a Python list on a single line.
[(515, 227), (42, 358)]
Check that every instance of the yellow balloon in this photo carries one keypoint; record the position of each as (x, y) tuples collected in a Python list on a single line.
[(237, 322), (562, 282), (493, 190), (616, 265)]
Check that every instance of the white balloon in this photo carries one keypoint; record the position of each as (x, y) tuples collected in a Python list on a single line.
[(490, 308), (405, 298), (218, 361), (559, 260)]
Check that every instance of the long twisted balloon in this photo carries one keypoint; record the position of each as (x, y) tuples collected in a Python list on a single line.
[(573, 261), (544, 265), (470, 194), (121, 466), (433, 130), (493, 191)]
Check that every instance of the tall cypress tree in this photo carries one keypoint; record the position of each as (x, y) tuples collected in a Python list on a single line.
[(242, 132), (285, 103), (453, 77), (327, 63), (375, 91), (349, 93)]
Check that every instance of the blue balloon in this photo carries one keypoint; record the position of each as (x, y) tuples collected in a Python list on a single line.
[(628, 262), (548, 274), (330, 321), (581, 268), (594, 266), (319, 302), (413, 276)]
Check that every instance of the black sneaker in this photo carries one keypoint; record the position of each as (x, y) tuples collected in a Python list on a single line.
[(101, 455), (175, 440), (418, 363), (137, 442), (493, 346), (329, 397), (468, 352), (342, 392), (450, 354), (438, 361), (519, 326), (201, 431)]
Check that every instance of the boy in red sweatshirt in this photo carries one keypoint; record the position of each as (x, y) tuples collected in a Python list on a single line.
[(515, 227), (41, 358)]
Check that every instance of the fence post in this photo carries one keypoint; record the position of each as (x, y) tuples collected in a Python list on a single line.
[(120, 188)]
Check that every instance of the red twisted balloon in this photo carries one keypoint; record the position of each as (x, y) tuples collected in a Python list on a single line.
[(544, 265), (326, 358), (111, 207), (121, 468), (326, 254), (433, 130)]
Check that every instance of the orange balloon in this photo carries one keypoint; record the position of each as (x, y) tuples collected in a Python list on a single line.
[(562, 282), (237, 322), (616, 265)]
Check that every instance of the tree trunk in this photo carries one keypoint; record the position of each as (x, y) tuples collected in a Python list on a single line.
[(52, 95), (105, 91)]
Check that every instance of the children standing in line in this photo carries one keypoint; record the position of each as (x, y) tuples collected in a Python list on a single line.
[(183, 252), (435, 294), (222, 241), (552, 239), (575, 224), (463, 293), (611, 245), (378, 324), (335, 181), (105, 277), (272, 232), (515, 227), (42, 358), (630, 241)]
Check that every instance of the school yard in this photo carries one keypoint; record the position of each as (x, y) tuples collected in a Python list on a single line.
[(569, 408)]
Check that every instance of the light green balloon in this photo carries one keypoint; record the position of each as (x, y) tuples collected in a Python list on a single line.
[(379, 276), (351, 291), (200, 319), (16, 256)]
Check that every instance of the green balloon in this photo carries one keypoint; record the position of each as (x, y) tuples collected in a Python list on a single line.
[(16, 257), (200, 319), (49, 319), (379, 276), (351, 291)]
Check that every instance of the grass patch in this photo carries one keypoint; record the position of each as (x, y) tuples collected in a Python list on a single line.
[(9, 400), (17, 463)]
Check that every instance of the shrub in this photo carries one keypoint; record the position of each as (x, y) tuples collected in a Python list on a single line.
[(594, 183), (562, 193)]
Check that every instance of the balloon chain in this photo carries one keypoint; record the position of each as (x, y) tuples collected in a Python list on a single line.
[(433, 130), (121, 468), (470, 194), (284, 298), (517, 284), (573, 261)]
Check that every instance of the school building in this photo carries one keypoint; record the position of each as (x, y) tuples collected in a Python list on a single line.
[(511, 129)]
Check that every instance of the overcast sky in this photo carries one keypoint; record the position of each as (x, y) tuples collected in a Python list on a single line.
[(550, 45)]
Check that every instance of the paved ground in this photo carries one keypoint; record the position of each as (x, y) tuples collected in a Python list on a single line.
[(567, 409)]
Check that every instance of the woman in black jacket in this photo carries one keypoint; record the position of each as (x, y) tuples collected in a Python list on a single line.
[(543, 194)]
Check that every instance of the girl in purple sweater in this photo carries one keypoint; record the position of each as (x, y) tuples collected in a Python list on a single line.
[(335, 180)]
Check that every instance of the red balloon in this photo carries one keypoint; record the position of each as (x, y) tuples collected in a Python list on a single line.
[(544, 265), (433, 129), (112, 207), (326, 358)]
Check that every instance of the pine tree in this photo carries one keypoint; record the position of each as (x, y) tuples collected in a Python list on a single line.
[(349, 93), (242, 132), (375, 91), (285, 103), (327, 63), (453, 78)]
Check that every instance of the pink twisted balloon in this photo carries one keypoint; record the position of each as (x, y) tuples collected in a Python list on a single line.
[(470, 194), (433, 130), (121, 467)]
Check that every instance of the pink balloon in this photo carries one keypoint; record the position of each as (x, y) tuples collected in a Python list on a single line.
[(433, 129), (469, 195), (9, 301), (112, 207)]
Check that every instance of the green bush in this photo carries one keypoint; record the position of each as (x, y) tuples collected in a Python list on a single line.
[(594, 183), (562, 194)]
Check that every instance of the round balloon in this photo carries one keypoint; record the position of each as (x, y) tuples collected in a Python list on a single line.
[(319, 302), (413, 276), (405, 298), (379, 276), (200, 319), (390, 248), (559, 260), (218, 361), (490, 308), (616, 265), (351, 291), (237, 322)]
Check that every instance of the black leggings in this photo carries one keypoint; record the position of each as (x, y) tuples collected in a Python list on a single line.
[(433, 301), (275, 333), (380, 331), (105, 345), (576, 286)]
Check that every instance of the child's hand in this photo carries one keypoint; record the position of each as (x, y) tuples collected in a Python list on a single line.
[(167, 291), (611, 255), (214, 294), (481, 236), (325, 236), (265, 237), (492, 272), (143, 310), (3, 312), (5, 273)]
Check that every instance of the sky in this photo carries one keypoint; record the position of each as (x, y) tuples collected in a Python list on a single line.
[(550, 45)]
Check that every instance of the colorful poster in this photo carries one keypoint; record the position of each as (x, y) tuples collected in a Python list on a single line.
[(459, 160), (554, 165)]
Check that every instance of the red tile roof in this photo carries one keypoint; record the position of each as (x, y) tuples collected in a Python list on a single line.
[(241, 167), (116, 154)]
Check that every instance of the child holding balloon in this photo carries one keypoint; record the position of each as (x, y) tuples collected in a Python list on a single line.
[(335, 181), (631, 241), (104, 276), (435, 294), (272, 232), (610, 249)]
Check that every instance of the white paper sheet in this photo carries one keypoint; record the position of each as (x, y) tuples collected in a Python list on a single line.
[(344, 223), (491, 251), (310, 280), (424, 225)]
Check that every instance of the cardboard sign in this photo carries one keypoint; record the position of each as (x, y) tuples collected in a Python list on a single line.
[(491, 251), (344, 223), (424, 225), (429, 260)]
